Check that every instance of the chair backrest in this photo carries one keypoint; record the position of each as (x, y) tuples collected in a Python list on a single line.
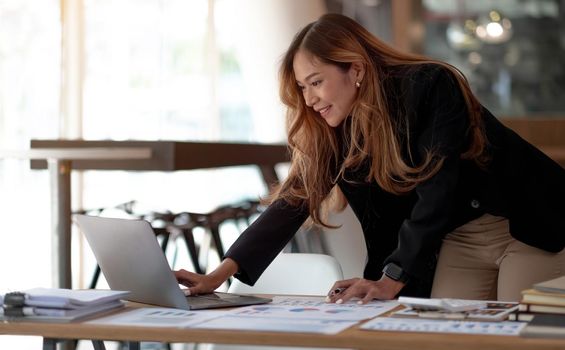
[(295, 274), (346, 242)]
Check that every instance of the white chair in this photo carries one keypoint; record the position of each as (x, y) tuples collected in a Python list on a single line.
[(295, 274), (290, 274), (346, 243)]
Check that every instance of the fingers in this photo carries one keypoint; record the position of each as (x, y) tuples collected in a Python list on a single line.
[(364, 289), (180, 273), (341, 286), (195, 290), (186, 278), (372, 294), (345, 283), (196, 283), (349, 293), (338, 289)]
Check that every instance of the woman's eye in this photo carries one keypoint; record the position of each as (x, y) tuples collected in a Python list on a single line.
[(316, 83)]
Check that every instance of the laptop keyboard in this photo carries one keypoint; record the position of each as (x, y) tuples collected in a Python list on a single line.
[(206, 298)]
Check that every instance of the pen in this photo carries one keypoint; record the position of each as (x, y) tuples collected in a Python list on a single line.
[(336, 291)]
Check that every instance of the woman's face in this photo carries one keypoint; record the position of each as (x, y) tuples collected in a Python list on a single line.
[(326, 88)]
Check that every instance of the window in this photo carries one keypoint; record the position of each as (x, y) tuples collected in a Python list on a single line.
[(29, 108), (161, 70)]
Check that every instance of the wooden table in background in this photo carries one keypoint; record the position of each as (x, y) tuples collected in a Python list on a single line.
[(63, 156)]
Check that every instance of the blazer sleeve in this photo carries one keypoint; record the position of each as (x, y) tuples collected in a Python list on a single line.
[(264, 239), (440, 122)]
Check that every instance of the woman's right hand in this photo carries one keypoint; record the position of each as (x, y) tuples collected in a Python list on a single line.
[(196, 283), (203, 284)]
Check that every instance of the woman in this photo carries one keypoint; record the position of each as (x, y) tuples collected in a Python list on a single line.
[(423, 165)]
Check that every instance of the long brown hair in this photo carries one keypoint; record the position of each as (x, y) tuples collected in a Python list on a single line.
[(314, 147)]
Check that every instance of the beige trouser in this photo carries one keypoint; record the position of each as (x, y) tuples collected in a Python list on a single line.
[(480, 260)]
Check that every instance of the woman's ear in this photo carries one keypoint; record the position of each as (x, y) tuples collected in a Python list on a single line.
[(357, 71)]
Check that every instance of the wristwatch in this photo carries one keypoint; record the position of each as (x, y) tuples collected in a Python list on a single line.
[(395, 272)]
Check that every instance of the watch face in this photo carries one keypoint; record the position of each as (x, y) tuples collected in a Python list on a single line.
[(393, 271)]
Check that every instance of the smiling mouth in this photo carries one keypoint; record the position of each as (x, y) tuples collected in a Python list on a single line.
[(324, 111)]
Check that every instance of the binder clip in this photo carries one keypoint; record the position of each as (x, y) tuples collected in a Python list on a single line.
[(14, 303)]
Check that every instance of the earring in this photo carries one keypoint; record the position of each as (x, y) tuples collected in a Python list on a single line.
[(357, 84)]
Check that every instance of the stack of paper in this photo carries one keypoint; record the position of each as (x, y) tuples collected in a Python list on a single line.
[(63, 305)]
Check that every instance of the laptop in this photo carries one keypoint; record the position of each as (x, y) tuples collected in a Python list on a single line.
[(131, 259)]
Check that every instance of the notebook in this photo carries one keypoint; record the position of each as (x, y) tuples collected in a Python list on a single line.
[(556, 285), (545, 326), (131, 259)]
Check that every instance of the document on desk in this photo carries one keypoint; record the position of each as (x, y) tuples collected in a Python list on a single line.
[(389, 324), (299, 314), (158, 317), (316, 307), (290, 307), (270, 324)]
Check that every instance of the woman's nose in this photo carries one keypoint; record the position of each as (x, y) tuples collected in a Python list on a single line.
[(310, 98)]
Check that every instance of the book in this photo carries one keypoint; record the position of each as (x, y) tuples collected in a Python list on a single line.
[(546, 309), (494, 311), (545, 326), (532, 296), (556, 285), (521, 316)]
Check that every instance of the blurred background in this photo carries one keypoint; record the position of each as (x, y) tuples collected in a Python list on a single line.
[(206, 70)]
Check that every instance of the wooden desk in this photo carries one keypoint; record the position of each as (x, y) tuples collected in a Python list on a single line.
[(350, 338)]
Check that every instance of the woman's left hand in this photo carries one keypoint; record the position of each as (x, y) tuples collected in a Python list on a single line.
[(367, 290)]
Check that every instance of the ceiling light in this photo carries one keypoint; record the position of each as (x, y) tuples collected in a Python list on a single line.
[(461, 36), (494, 28)]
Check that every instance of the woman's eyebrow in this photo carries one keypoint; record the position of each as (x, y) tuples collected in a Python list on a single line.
[(309, 76)]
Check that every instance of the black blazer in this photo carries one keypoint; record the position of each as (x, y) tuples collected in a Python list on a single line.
[(519, 183)]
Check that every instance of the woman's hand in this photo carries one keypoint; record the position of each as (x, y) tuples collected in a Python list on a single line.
[(203, 284), (196, 283), (367, 290)]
